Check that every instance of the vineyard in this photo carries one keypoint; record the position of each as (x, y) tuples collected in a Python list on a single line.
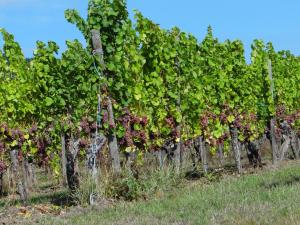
[(140, 98)]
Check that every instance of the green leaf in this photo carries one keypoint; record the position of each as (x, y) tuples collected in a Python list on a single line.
[(49, 101), (230, 118), (14, 143)]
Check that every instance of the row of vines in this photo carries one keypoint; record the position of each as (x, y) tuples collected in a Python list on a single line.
[(137, 89)]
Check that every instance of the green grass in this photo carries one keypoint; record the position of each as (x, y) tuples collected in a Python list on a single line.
[(264, 198)]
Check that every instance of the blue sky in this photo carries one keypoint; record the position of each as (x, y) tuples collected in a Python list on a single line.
[(271, 20)]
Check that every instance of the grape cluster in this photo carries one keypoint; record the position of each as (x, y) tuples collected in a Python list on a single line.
[(32, 130), (144, 121), (105, 117), (206, 117), (211, 115), (290, 119), (2, 147), (15, 138), (245, 124), (87, 127), (280, 111), (204, 121), (133, 137), (253, 117), (2, 167), (11, 135), (83, 143), (43, 142), (281, 114), (42, 146), (238, 122), (223, 118), (221, 139), (170, 122)]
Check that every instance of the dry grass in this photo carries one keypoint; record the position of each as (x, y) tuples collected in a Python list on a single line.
[(261, 198)]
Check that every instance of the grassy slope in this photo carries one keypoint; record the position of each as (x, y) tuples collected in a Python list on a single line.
[(264, 198)]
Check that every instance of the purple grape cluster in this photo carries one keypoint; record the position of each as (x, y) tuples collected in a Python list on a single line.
[(3, 167), (2, 147), (32, 130), (133, 137), (223, 118), (238, 122), (143, 136), (204, 122), (280, 111), (290, 119), (170, 122), (42, 144), (13, 135), (253, 117), (83, 143), (175, 133), (85, 126), (105, 117), (144, 121), (93, 127), (224, 137), (211, 115)]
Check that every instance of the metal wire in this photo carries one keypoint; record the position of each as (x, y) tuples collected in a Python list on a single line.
[(95, 146)]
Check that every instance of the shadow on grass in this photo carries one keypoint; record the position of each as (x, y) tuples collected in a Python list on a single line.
[(61, 199), (281, 182), (196, 174)]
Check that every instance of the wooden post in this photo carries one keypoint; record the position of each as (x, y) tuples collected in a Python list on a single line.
[(97, 47), (221, 154), (64, 160), (1, 183), (273, 119), (71, 168), (112, 138), (161, 156), (294, 144), (298, 144), (203, 153), (236, 147), (18, 178)]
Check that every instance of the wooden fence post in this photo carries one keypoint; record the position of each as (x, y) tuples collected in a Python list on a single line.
[(112, 138)]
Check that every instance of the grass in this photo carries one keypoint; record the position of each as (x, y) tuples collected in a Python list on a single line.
[(46, 190), (264, 198)]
